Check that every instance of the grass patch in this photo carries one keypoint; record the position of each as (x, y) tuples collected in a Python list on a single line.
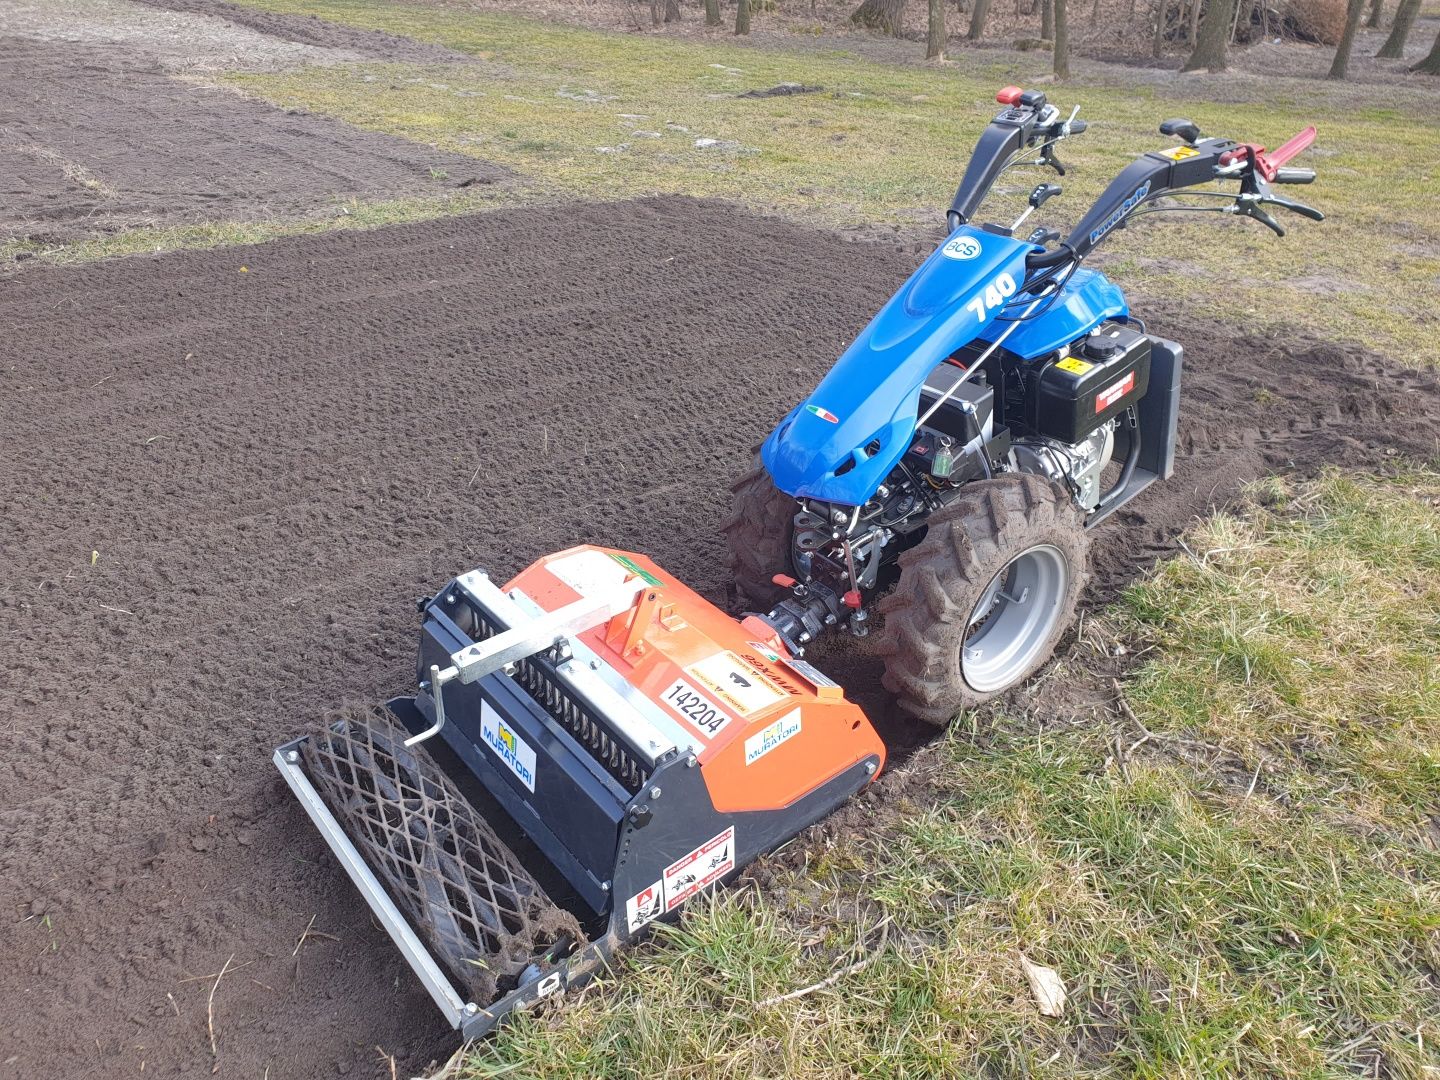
[(1202, 929), (1308, 645), (593, 114)]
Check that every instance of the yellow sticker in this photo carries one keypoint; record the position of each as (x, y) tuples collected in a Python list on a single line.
[(1180, 153), (1074, 365)]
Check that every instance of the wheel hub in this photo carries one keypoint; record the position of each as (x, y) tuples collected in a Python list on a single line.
[(1014, 618)]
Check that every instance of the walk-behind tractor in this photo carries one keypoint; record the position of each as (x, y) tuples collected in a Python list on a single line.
[(610, 744)]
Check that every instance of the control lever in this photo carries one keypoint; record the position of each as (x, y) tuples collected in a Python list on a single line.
[(1294, 207), (1182, 128), (1043, 236), (1249, 206), (1038, 198)]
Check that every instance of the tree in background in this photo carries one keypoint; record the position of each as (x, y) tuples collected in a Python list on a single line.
[(935, 38), (977, 20), (742, 17), (672, 11), (1377, 12), (1162, 12), (1353, 10), (1047, 20), (1394, 47), (712, 12), (1431, 64), (1062, 41), (884, 15), (1212, 40)]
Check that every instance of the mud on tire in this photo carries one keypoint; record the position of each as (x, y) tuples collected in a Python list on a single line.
[(757, 534), (943, 578)]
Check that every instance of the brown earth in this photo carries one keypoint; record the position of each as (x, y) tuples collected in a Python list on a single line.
[(225, 488), (99, 139)]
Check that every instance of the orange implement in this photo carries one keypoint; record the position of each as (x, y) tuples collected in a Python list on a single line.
[(766, 727)]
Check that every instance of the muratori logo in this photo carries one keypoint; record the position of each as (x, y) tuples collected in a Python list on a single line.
[(514, 752), (961, 247)]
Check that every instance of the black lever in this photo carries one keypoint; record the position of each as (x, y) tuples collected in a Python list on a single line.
[(1251, 208), (1043, 236), (1295, 207), (1043, 192), (1047, 157), (1181, 128)]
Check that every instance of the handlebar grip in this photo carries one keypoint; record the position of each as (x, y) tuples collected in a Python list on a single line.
[(1294, 176), (1077, 126)]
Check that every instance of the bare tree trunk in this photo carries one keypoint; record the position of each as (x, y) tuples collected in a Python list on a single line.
[(654, 12), (935, 39), (672, 11), (1047, 20), (1210, 50), (1095, 11), (1431, 64), (1194, 23), (977, 20), (1162, 12), (1377, 12), (712, 12), (742, 17), (1129, 12), (1394, 47), (1353, 10), (885, 15), (1062, 42)]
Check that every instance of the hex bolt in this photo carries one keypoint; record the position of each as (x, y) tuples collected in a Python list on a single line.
[(605, 886), (654, 793), (870, 767), (471, 1008), (510, 668), (292, 756), (691, 761)]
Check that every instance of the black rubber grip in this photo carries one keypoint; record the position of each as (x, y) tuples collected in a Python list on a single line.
[(1294, 176), (1077, 126)]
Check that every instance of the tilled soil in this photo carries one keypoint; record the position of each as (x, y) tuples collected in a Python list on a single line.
[(222, 492), (98, 138)]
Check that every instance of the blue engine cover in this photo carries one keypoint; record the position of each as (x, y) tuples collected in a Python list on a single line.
[(825, 448)]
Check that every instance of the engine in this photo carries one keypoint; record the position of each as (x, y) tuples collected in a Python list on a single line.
[(1061, 415)]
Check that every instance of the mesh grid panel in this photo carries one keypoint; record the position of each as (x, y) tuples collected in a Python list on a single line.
[(467, 897)]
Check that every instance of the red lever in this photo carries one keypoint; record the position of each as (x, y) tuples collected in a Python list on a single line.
[(1009, 95), (783, 580), (1268, 163), (852, 599)]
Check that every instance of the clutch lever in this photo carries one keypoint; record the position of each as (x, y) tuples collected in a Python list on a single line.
[(1295, 207), (1249, 206), (1047, 157)]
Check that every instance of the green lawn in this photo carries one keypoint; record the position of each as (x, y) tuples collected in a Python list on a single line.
[(1240, 880)]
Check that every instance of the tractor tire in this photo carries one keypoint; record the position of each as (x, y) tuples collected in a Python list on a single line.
[(757, 534), (956, 592)]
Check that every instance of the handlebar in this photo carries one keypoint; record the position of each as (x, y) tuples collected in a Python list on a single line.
[(1028, 126)]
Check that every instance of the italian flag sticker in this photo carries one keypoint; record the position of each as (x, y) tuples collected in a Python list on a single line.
[(823, 414)]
